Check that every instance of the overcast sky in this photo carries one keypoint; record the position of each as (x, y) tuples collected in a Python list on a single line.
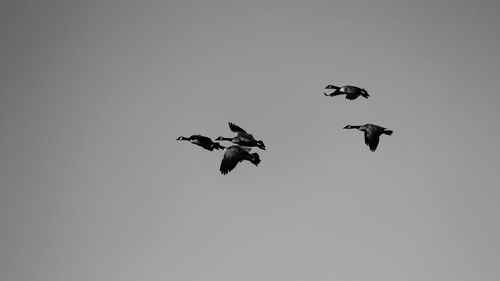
[(93, 185)]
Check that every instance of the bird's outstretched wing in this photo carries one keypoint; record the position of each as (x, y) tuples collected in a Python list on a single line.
[(202, 139), (351, 96), (236, 128), (232, 157), (371, 139)]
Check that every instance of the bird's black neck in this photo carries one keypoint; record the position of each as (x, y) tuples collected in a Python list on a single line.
[(352, 127)]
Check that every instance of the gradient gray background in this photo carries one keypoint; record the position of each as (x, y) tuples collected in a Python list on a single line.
[(95, 187)]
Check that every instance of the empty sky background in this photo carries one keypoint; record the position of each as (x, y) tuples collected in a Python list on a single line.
[(93, 185)]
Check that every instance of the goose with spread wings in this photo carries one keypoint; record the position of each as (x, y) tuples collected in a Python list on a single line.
[(372, 133), (242, 138), (350, 92), (236, 154)]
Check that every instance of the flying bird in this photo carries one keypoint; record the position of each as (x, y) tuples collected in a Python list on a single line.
[(372, 133), (235, 154), (202, 141), (242, 138), (350, 92)]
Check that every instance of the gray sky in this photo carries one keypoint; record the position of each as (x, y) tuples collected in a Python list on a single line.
[(95, 187)]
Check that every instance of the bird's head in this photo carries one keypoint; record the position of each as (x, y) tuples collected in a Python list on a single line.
[(181, 138)]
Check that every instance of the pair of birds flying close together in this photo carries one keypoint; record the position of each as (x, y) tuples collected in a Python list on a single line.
[(234, 154), (372, 132)]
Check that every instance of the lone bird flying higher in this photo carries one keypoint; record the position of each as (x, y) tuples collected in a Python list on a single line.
[(350, 92), (372, 133), (202, 141), (242, 138)]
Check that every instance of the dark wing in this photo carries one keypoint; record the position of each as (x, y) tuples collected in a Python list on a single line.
[(235, 128), (232, 157), (371, 139), (351, 96), (246, 139), (202, 141)]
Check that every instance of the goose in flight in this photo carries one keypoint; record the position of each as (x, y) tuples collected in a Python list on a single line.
[(235, 154), (242, 138), (350, 92), (202, 141), (372, 133)]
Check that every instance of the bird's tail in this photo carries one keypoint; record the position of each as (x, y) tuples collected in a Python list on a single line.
[(365, 95), (254, 158), (388, 132)]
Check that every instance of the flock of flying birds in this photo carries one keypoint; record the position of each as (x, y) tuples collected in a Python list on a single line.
[(243, 141)]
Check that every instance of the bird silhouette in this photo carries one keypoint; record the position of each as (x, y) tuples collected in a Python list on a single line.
[(350, 92), (372, 133), (235, 154), (202, 141), (242, 138)]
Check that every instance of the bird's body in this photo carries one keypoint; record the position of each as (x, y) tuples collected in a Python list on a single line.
[(242, 138), (372, 133), (202, 141), (350, 92), (235, 154)]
